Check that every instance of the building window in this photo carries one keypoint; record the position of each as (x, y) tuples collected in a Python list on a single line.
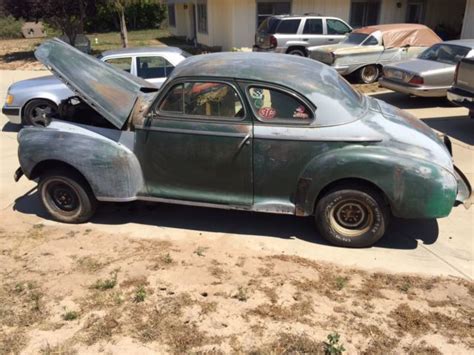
[(364, 13), (202, 17), (171, 16), (267, 8)]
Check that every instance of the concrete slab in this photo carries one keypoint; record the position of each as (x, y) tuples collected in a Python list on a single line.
[(433, 247)]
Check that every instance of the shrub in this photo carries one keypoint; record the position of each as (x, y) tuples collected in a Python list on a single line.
[(10, 28)]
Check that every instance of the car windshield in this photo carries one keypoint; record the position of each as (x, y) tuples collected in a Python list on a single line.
[(269, 25), (355, 38), (445, 53)]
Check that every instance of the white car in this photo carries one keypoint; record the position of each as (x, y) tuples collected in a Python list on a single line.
[(35, 101)]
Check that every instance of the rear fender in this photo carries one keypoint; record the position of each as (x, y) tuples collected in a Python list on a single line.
[(414, 188)]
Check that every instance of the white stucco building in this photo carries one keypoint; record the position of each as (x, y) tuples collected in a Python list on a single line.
[(232, 23)]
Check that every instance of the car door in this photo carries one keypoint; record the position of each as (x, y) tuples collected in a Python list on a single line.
[(336, 30), (313, 32), (198, 145), (153, 68)]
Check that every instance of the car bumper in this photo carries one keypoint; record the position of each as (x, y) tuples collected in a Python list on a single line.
[(464, 195), (422, 91), (269, 50), (12, 113), (461, 98)]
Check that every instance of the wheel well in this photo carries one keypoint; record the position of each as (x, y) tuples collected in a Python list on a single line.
[(351, 183), (297, 47), (36, 98), (49, 165)]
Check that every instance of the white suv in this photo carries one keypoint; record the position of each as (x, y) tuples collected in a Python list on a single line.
[(293, 34)]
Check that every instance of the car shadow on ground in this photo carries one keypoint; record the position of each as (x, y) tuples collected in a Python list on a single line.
[(460, 128), (402, 234), (11, 127), (406, 102)]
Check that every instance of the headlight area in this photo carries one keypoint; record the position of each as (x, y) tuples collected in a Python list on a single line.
[(9, 99)]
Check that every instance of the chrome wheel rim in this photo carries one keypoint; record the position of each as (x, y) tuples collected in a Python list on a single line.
[(351, 218), (370, 73)]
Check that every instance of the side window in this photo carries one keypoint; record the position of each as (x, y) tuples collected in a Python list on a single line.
[(371, 41), (289, 27), (153, 67), (270, 105), (336, 27), (121, 63), (204, 99), (313, 27)]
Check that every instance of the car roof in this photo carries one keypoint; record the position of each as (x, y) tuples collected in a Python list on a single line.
[(295, 16), (141, 50), (336, 101), (461, 42)]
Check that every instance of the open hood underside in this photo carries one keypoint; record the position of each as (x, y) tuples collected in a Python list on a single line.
[(113, 93)]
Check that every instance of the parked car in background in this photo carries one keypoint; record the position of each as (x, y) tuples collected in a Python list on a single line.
[(241, 131), (432, 73), (366, 50), (35, 101), (294, 34), (462, 91)]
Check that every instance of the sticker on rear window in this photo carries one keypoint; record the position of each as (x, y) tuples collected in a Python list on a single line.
[(267, 113)]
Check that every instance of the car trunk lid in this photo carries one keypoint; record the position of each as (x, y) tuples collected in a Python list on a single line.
[(113, 93)]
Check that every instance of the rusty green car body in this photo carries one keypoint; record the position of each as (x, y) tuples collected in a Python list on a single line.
[(252, 160)]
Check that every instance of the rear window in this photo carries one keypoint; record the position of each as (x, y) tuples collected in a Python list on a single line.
[(289, 27), (269, 25), (444, 53), (355, 38)]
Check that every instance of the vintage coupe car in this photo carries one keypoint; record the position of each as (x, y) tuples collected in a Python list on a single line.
[(240, 131), (366, 50), (432, 73), (35, 101)]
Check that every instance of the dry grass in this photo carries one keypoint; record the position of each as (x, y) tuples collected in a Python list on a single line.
[(270, 304)]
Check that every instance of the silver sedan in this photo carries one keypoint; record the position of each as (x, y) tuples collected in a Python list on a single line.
[(35, 101), (431, 74)]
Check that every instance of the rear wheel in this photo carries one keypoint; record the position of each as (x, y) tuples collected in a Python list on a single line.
[(368, 74), (352, 216), (297, 51), (67, 196), (39, 112)]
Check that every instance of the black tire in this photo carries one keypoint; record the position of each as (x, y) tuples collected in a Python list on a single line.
[(298, 51), (352, 216), (368, 74), (67, 196), (39, 112)]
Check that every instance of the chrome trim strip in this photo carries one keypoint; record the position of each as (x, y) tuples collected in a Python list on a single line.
[(268, 208), (192, 131), (318, 139)]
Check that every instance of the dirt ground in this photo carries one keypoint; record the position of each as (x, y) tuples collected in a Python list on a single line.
[(72, 289)]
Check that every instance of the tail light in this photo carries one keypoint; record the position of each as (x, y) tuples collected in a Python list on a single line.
[(456, 72), (273, 41), (416, 80)]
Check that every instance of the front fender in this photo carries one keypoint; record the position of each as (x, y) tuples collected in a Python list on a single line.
[(110, 167), (414, 188)]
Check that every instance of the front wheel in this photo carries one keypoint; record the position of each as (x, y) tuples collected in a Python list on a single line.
[(368, 74), (67, 196), (39, 112), (352, 217)]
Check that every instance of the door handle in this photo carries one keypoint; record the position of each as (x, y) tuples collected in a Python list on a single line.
[(245, 141), (330, 39)]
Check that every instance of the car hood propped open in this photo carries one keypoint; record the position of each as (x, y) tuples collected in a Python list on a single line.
[(113, 93)]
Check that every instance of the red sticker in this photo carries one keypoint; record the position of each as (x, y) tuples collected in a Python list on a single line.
[(267, 113)]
